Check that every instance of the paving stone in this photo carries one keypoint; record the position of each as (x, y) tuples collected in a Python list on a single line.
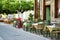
[(8, 32)]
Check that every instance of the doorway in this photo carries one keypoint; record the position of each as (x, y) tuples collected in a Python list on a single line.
[(48, 13)]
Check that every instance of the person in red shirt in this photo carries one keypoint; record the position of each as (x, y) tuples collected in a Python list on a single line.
[(19, 23)]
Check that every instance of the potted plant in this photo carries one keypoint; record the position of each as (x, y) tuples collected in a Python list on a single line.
[(30, 20)]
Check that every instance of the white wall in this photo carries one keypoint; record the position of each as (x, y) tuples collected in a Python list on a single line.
[(26, 14)]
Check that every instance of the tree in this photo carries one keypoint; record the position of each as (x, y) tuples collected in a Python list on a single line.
[(0, 7), (14, 6), (24, 6), (10, 6)]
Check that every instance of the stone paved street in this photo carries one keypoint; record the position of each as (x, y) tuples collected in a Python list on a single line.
[(8, 32)]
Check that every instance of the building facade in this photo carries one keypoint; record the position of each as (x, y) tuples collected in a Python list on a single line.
[(49, 9)]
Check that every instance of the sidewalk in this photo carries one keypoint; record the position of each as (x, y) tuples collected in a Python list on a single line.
[(8, 32), (1, 38)]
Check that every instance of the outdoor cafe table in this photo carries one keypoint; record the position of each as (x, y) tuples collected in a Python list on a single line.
[(35, 25), (51, 28), (38, 25)]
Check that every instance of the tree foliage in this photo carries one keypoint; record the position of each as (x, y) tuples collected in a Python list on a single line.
[(10, 6), (24, 6)]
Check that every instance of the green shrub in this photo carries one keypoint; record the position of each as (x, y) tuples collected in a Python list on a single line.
[(30, 17)]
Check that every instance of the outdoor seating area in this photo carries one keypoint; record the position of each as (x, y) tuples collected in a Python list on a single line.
[(1, 20), (8, 18), (46, 28), (40, 17), (4, 18), (43, 28)]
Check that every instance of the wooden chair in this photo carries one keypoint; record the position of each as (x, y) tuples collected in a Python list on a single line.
[(41, 27), (35, 28), (56, 35), (31, 29), (46, 32), (38, 29)]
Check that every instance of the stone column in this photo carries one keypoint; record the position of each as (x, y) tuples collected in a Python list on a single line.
[(35, 9), (52, 14), (42, 10), (54, 10)]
